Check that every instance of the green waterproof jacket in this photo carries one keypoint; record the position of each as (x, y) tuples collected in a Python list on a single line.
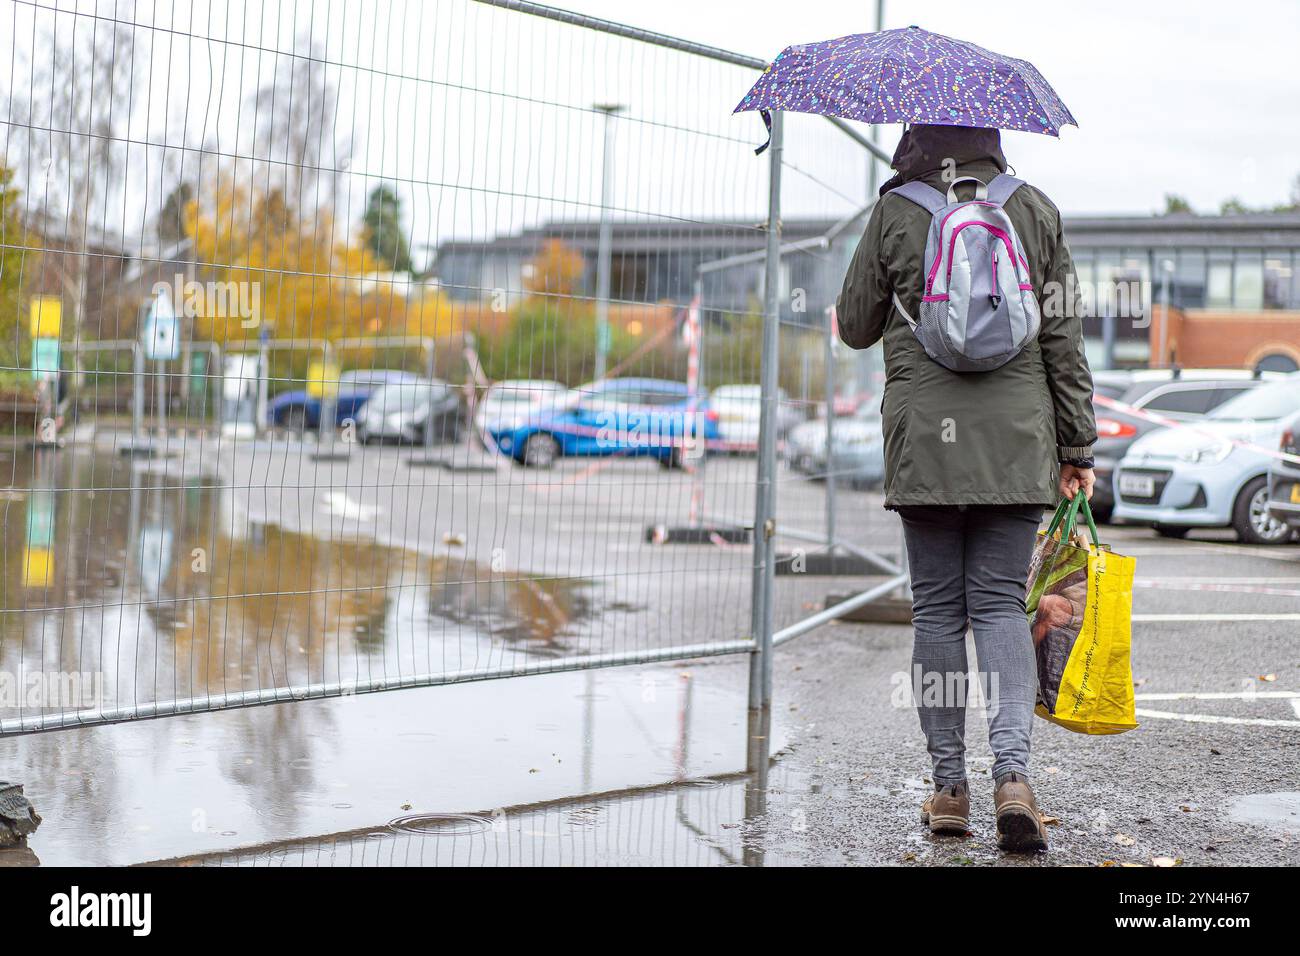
[(978, 437)]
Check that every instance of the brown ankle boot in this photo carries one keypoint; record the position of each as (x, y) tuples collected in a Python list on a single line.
[(1020, 826), (947, 810)]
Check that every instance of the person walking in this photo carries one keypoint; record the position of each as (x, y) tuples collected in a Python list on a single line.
[(972, 456)]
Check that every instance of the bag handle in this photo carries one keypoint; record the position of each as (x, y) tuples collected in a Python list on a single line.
[(1066, 515), (981, 190)]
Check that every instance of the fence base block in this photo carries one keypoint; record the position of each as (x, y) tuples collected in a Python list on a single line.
[(824, 564), (470, 463), (886, 610), (696, 534), (139, 450)]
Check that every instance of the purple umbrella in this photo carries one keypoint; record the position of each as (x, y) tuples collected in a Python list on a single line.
[(908, 76)]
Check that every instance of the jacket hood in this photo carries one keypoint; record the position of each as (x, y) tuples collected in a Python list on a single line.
[(922, 151)]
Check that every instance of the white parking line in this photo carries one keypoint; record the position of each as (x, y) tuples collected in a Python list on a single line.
[(1162, 618), (1248, 695), (1215, 719)]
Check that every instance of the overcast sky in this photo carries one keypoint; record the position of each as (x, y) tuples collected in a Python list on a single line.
[(482, 119), (1196, 97)]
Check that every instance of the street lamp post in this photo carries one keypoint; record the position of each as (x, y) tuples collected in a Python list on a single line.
[(605, 241)]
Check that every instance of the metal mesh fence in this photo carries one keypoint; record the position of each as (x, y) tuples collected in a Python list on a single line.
[(348, 347)]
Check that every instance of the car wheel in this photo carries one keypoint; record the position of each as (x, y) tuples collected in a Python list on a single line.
[(1250, 517), (295, 419), (540, 451), (1168, 530), (1101, 514)]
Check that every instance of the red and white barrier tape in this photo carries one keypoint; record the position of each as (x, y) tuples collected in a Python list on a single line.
[(1158, 419)]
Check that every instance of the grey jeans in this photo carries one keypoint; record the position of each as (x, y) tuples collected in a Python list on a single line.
[(968, 565)]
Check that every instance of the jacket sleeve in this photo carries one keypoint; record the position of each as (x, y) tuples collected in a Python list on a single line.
[(865, 300), (1061, 341)]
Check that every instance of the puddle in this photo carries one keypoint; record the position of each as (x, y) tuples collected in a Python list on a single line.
[(1280, 810), (139, 589), (209, 783), (447, 824), (664, 826)]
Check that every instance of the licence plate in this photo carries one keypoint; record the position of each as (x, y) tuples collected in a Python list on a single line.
[(1141, 486)]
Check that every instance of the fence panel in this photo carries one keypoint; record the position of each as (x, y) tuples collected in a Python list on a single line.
[(323, 207), (352, 347)]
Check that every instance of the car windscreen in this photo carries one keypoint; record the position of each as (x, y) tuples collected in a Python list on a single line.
[(1266, 403)]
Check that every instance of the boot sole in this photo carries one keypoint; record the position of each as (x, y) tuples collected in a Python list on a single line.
[(947, 825), (1019, 830)]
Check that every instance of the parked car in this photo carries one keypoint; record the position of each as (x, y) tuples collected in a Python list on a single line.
[(299, 411), (411, 412), (738, 409), (510, 402), (858, 443), (1284, 476), (1178, 394), (1204, 474), (637, 417)]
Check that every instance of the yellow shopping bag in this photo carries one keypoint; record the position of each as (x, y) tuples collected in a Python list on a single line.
[(1080, 601)]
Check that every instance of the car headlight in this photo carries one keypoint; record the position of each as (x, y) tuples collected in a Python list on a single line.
[(1208, 454)]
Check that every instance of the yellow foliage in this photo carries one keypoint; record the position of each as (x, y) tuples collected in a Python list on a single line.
[(557, 269), (291, 270)]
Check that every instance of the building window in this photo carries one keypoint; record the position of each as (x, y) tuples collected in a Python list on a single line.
[(1188, 281), (1248, 281), (1218, 281), (1277, 282)]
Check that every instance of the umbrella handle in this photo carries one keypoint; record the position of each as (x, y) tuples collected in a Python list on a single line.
[(981, 190)]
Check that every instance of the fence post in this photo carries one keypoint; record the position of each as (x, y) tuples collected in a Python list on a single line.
[(830, 430), (760, 664)]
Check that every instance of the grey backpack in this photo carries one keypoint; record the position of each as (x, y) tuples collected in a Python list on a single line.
[(977, 308)]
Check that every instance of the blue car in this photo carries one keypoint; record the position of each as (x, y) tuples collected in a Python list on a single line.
[(636, 417), (299, 411)]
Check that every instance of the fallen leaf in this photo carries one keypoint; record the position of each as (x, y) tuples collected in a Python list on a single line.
[(1268, 677), (1048, 821), (406, 806), (1165, 861), (1123, 839), (1106, 863), (1185, 808), (453, 537), (1053, 769)]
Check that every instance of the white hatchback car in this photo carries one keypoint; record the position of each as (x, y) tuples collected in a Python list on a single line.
[(1212, 473)]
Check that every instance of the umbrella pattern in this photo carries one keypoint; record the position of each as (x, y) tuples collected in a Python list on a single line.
[(909, 75)]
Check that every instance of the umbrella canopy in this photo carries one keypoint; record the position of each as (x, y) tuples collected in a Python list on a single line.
[(909, 76)]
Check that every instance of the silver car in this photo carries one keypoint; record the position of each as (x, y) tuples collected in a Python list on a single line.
[(1212, 473), (1284, 476), (857, 458), (413, 412)]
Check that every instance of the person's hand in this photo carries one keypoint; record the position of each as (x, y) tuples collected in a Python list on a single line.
[(1074, 478)]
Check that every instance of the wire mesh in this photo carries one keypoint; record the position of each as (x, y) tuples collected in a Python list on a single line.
[(348, 347)]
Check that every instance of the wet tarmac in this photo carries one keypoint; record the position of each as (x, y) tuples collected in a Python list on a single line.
[(443, 763)]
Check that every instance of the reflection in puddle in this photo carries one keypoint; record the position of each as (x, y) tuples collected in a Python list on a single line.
[(136, 587), (699, 824)]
